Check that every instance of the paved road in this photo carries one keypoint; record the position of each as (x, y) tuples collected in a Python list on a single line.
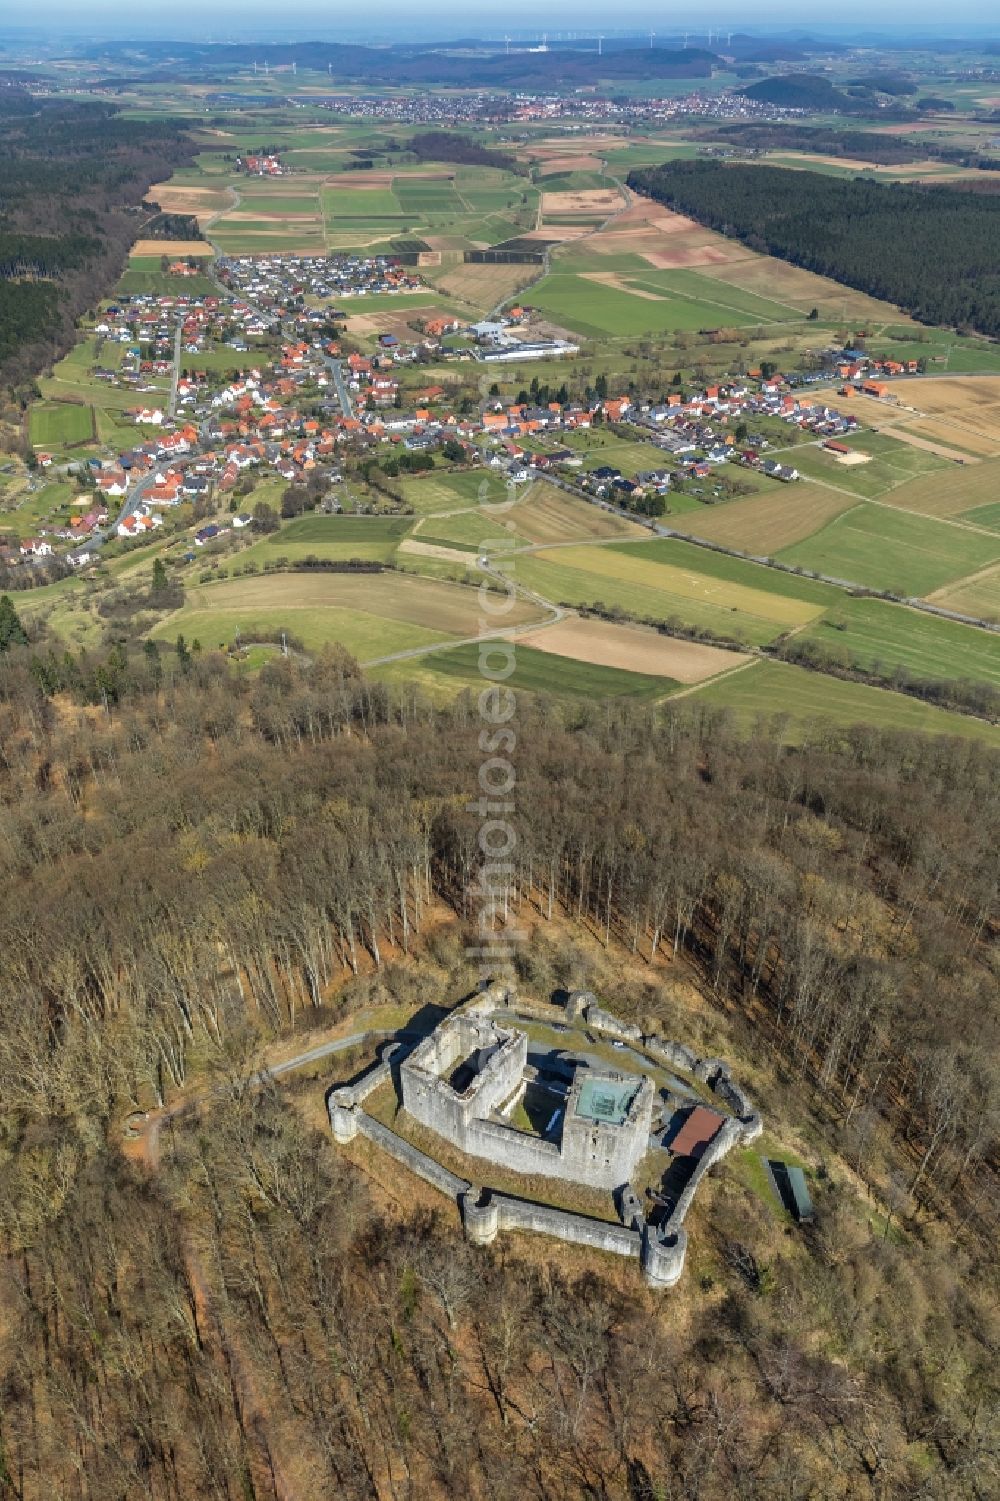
[(176, 375), (343, 394)]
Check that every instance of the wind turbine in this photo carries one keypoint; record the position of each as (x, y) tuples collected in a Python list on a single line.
[(600, 46), (507, 45), (729, 39), (686, 34), (651, 36)]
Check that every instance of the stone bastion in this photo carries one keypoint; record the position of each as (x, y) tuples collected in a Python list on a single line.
[(472, 1083)]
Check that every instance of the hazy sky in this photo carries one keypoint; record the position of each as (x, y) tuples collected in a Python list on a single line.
[(197, 19)]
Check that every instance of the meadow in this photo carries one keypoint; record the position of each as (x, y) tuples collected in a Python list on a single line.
[(332, 539), (815, 704), (877, 634), (883, 548), (662, 581), (60, 424), (599, 310), (373, 615)]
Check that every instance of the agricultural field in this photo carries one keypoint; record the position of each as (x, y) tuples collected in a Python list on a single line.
[(633, 649), (454, 491), (765, 523), (884, 548), (877, 634), (607, 305), (977, 595), (373, 615), (675, 581), (878, 463), (814, 704), (371, 539), (541, 515), (444, 673), (962, 491), (60, 425)]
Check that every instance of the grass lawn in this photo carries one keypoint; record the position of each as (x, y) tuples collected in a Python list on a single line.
[(886, 549), (814, 703), (874, 631)]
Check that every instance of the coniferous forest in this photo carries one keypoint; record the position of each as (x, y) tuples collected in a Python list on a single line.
[(199, 864), (933, 251)]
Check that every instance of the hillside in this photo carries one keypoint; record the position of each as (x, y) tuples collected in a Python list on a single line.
[(932, 251), (214, 867)]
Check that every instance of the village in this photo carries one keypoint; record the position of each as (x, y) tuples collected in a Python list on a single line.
[(255, 381)]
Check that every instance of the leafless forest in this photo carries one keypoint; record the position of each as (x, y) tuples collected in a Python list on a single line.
[(201, 866)]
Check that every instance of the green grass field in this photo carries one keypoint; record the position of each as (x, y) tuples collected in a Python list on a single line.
[(816, 704), (333, 538), (60, 424), (364, 634), (877, 634), (892, 463), (887, 549), (431, 494), (600, 311), (987, 515), (639, 580)]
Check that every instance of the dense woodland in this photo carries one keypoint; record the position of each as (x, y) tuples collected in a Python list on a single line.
[(199, 862), (72, 177), (830, 140), (930, 250)]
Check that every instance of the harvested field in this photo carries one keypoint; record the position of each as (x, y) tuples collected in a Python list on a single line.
[(601, 201), (550, 515), (763, 524), (390, 320), (435, 550), (773, 278), (185, 198), (973, 402), (978, 595), (484, 286), (554, 164), (300, 601), (633, 649), (948, 494), (949, 439), (171, 247)]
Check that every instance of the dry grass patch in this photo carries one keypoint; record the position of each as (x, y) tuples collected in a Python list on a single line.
[(550, 515), (432, 603), (765, 523), (978, 595), (633, 649), (172, 247), (949, 493), (972, 403), (484, 285), (601, 201)]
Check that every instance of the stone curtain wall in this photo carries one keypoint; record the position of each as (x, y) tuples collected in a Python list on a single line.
[(661, 1251)]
